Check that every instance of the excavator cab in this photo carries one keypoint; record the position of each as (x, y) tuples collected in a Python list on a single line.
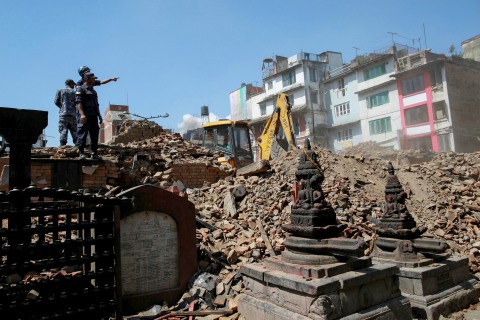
[(232, 138)]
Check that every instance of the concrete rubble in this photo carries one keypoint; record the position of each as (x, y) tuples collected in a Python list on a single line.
[(239, 219)]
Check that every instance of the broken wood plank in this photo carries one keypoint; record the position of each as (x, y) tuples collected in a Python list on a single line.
[(265, 238), (204, 224), (194, 313)]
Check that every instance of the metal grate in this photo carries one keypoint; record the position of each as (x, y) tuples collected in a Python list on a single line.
[(58, 254)]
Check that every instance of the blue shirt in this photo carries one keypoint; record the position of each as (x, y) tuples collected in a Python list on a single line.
[(65, 100), (80, 82), (89, 99)]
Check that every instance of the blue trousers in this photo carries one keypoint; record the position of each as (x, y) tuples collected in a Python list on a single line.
[(66, 124), (89, 127)]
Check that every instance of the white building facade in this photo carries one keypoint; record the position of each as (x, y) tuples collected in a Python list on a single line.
[(300, 77)]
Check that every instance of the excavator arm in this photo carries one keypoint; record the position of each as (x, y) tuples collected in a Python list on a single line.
[(281, 116)]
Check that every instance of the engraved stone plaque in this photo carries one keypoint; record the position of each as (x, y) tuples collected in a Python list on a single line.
[(157, 252), (149, 252), (444, 280)]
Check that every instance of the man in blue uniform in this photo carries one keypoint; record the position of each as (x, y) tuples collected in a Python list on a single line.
[(88, 115), (65, 100), (84, 69)]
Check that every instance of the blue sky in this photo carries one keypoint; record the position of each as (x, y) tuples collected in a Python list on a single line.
[(174, 56)]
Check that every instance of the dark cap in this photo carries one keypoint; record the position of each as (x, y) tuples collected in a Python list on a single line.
[(89, 75), (68, 81)]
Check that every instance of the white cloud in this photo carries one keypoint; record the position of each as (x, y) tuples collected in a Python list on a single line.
[(191, 122)]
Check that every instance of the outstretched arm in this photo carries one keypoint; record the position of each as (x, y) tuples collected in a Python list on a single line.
[(108, 80)]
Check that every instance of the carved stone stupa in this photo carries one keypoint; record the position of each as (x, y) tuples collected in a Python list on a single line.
[(435, 283), (396, 221), (320, 275), (399, 237), (313, 220)]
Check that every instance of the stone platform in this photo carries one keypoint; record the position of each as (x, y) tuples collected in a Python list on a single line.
[(440, 288), (354, 289)]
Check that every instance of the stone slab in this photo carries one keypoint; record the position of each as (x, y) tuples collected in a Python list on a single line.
[(157, 241), (408, 264), (440, 288), (315, 272), (434, 278), (345, 294), (446, 302), (253, 309)]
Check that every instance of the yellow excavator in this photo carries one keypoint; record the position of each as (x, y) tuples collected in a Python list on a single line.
[(232, 138), (281, 116)]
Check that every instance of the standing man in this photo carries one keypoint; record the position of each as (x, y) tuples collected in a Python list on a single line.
[(88, 116), (65, 100), (84, 69)]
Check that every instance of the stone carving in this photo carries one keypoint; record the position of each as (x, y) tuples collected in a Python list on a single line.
[(324, 307), (312, 216), (396, 221), (399, 235), (311, 193), (366, 296), (277, 297), (313, 219)]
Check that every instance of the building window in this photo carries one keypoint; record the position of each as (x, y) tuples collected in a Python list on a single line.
[(412, 85), (439, 110), (263, 109), (377, 99), (313, 74), (436, 77), (342, 109), (270, 85), (345, 135), (313, 96), (375, 71), (380, 126), (291, 100), (341, 88), (296, 127), (422, 143), (444, 142), (288, 78), (416, 115)]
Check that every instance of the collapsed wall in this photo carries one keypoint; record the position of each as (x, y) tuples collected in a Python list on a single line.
[(136, 130), (130, 160)]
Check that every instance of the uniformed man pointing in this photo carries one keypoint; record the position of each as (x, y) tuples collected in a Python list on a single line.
[(88, 116)]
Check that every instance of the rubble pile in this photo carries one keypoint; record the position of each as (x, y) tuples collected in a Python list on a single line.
[(371, 149), (159, 160), (444, 196), (240, 218), (136, 130)]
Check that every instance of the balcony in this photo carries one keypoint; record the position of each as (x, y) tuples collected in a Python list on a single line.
[(415, 60), (281, 64)]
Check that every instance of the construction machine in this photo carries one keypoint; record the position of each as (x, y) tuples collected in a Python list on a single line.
[(281, 116), (269, 142), (232, 138)]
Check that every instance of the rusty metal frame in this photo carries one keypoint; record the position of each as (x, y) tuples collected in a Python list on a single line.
[(45, 231)]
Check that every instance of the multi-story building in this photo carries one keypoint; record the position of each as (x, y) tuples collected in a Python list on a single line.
[(439, 102), (399, 97), (239, 98), (298, 76), (113, 117), (471, 48), (362, 101)]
